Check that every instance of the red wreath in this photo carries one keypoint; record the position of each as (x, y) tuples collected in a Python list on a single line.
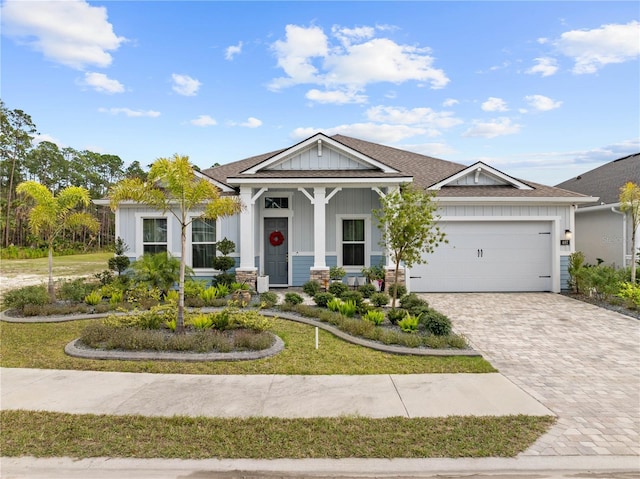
[(276, 238)]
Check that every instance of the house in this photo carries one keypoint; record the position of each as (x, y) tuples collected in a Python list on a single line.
[(603, 232), (309, 206)]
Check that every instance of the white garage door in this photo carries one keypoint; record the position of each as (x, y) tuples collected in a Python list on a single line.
[(488, 256)]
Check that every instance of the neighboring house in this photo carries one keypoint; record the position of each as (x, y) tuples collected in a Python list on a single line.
[(309, 207), (603, 233)]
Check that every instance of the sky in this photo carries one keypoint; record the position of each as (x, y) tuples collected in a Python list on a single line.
[(542, 91)]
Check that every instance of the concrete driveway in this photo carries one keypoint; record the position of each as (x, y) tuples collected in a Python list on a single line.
[(579, 360)]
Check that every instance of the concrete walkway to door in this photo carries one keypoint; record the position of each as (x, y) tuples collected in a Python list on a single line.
[(579, 360)]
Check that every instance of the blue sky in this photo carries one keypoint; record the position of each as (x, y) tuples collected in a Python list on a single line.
[(540, 90)]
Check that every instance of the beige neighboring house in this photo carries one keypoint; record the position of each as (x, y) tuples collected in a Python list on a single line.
[(603, 232)]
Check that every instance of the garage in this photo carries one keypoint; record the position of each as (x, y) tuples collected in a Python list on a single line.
[(488, 256)]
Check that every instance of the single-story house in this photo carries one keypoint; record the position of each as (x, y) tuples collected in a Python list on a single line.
[(309, 206), (603, 232)]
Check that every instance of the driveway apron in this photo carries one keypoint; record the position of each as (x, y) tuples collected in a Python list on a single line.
[(579, 360)]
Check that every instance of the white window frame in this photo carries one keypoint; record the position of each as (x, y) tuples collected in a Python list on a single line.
[(140, 217), (189, 249), (367, 241)]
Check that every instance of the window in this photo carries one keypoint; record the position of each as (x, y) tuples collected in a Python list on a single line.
[(353, 242), (271, 202), (154, 235), (203, 243)]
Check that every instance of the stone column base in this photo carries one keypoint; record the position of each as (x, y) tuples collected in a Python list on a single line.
[(389, 277), (248, 276), (321, 275)]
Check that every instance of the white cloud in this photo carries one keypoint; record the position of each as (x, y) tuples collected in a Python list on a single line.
[(308, 57), (46, 137), (492, 129), (495, 104), (349, 35), (130, 113), (204, 120), (542, 103), (232, 51), (424, 117), (337, 97), (185, 85), (296, 52), (69, 32), (102, 83), (593, 49), (251, 123), (546, 66), (450, 102), (366, 131)]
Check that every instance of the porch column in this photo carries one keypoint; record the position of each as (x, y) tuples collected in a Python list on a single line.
[(247, 260), (319, 224)]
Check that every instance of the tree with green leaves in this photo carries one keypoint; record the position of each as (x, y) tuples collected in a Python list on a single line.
[(174, 187), (16, 136), (408, 221), (51, 214), (630, 202)]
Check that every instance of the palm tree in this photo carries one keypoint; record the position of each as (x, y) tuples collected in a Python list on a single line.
[(51, 215), (173, 187)]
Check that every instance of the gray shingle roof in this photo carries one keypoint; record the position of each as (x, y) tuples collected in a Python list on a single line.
[(606, 180), (425, 170)]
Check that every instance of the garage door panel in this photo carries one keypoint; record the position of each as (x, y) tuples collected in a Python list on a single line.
[(488, 256)]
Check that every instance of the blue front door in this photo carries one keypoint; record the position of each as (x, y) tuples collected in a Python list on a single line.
[(276, 251)]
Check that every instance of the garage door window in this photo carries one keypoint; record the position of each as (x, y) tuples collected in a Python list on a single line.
[(353, 242)]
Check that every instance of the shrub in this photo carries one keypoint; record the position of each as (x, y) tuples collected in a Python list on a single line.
[(375, 317), (396, 315), (172, 296), (224, 278), (193, 288), (141, 294), (354, 296), (209, 294), (334, 304), (116, 298), (93, 298), (603, 280), (75, 290), (347, 308), (293, 298), (223, 263), (379, 299), (105, 278), (412, 300), (269, 299), (221, 320), (223, 289), (249, 319), (409, 324), (436, 323), (154, 318), (630, 293), (160, 270), (367, 290), (402, 290), (311, 288), (338, 288), (200, 321), (27, 295), (576, 262), (337, 272), (251, 340), (321, 299)]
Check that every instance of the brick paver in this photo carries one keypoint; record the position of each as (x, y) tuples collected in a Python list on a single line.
[(579, 360)]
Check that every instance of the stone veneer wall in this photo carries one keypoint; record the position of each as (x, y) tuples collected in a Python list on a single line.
[(321, 276), (389, 277), (248, 277)]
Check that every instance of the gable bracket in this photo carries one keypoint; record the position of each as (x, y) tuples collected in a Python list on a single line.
[(255, 197)]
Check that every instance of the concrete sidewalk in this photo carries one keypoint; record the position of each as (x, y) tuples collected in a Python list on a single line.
[(412, 395)]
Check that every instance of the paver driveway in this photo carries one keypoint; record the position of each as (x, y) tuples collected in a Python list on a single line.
[(579, 360)]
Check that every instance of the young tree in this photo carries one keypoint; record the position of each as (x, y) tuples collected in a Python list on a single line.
[(630, 201), (51, 214), (408, 222), (172, 186)]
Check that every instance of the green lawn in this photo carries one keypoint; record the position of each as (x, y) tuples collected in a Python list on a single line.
[(41, 345), (72, 265), (47, 434)]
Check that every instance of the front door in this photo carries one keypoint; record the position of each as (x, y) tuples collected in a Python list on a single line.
[(276, 251)]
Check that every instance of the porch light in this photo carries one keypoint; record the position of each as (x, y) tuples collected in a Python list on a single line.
[(567, 234)]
